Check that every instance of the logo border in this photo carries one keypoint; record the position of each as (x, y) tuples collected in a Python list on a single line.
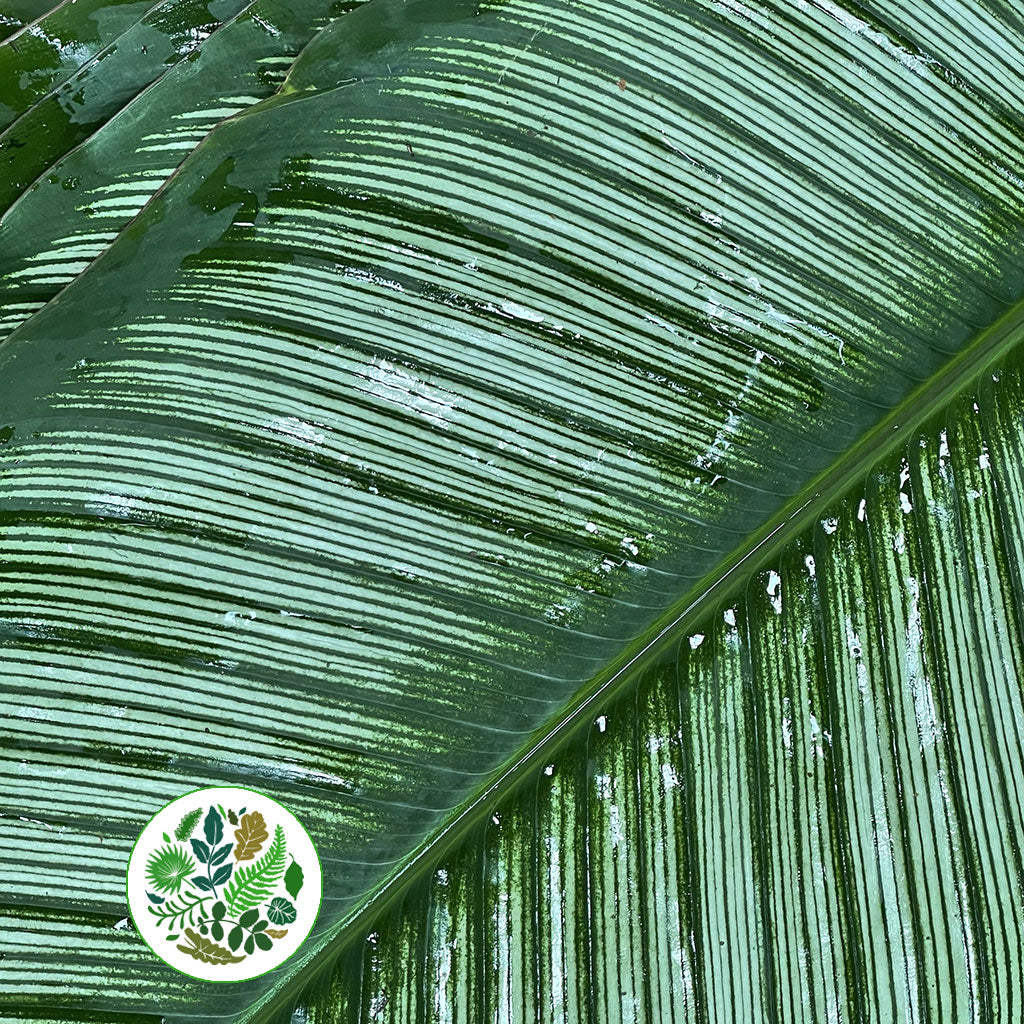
[(196, 977)]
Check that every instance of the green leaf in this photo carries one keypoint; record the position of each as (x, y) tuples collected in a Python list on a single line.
[(235, 937), (168, 867), (253, 883), (221, 853), (213, 827), (263, 940), (216, 931), (201, 850), (222, 874), (175, 912), (187, 824), (280, 911), (248, 919), (293, 879), (449, 399)]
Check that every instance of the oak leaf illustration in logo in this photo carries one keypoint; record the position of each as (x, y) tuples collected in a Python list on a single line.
[(251, 835)]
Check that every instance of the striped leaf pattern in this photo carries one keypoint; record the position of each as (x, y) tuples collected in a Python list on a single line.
[(51, 231), (430, 402), (810, 811)]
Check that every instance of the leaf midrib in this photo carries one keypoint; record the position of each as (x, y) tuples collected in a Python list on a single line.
[(893, 430)]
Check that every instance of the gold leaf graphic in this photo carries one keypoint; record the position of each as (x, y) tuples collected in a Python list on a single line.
[(208, 951), (276, 933), (251, 835)]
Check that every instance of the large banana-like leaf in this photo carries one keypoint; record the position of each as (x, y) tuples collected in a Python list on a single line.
[(436, 408), (809, 811)]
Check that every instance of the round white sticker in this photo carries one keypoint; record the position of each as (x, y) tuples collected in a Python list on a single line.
[(224, 884)]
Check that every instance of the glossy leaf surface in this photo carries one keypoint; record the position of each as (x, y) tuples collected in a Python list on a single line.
[(427, 395), (809, 812)]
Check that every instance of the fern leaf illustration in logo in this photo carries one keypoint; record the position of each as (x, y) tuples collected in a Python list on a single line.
[(255, 882), (168, 867), (187, 824)]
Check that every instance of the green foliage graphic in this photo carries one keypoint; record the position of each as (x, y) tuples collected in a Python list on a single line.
[(175, 912), (168, 867), (187, 824), (281, 911), (208, 951), (254, 883), (293, 879)]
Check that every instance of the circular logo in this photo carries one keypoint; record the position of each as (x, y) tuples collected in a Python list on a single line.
[(224, 884)]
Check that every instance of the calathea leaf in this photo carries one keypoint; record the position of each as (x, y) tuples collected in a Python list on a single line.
[(435, 399)]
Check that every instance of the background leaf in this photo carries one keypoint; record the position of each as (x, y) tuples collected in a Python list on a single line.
[(383, 451), (709, 848)]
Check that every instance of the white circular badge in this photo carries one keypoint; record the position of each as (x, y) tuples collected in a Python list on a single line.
[(224, 884)]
